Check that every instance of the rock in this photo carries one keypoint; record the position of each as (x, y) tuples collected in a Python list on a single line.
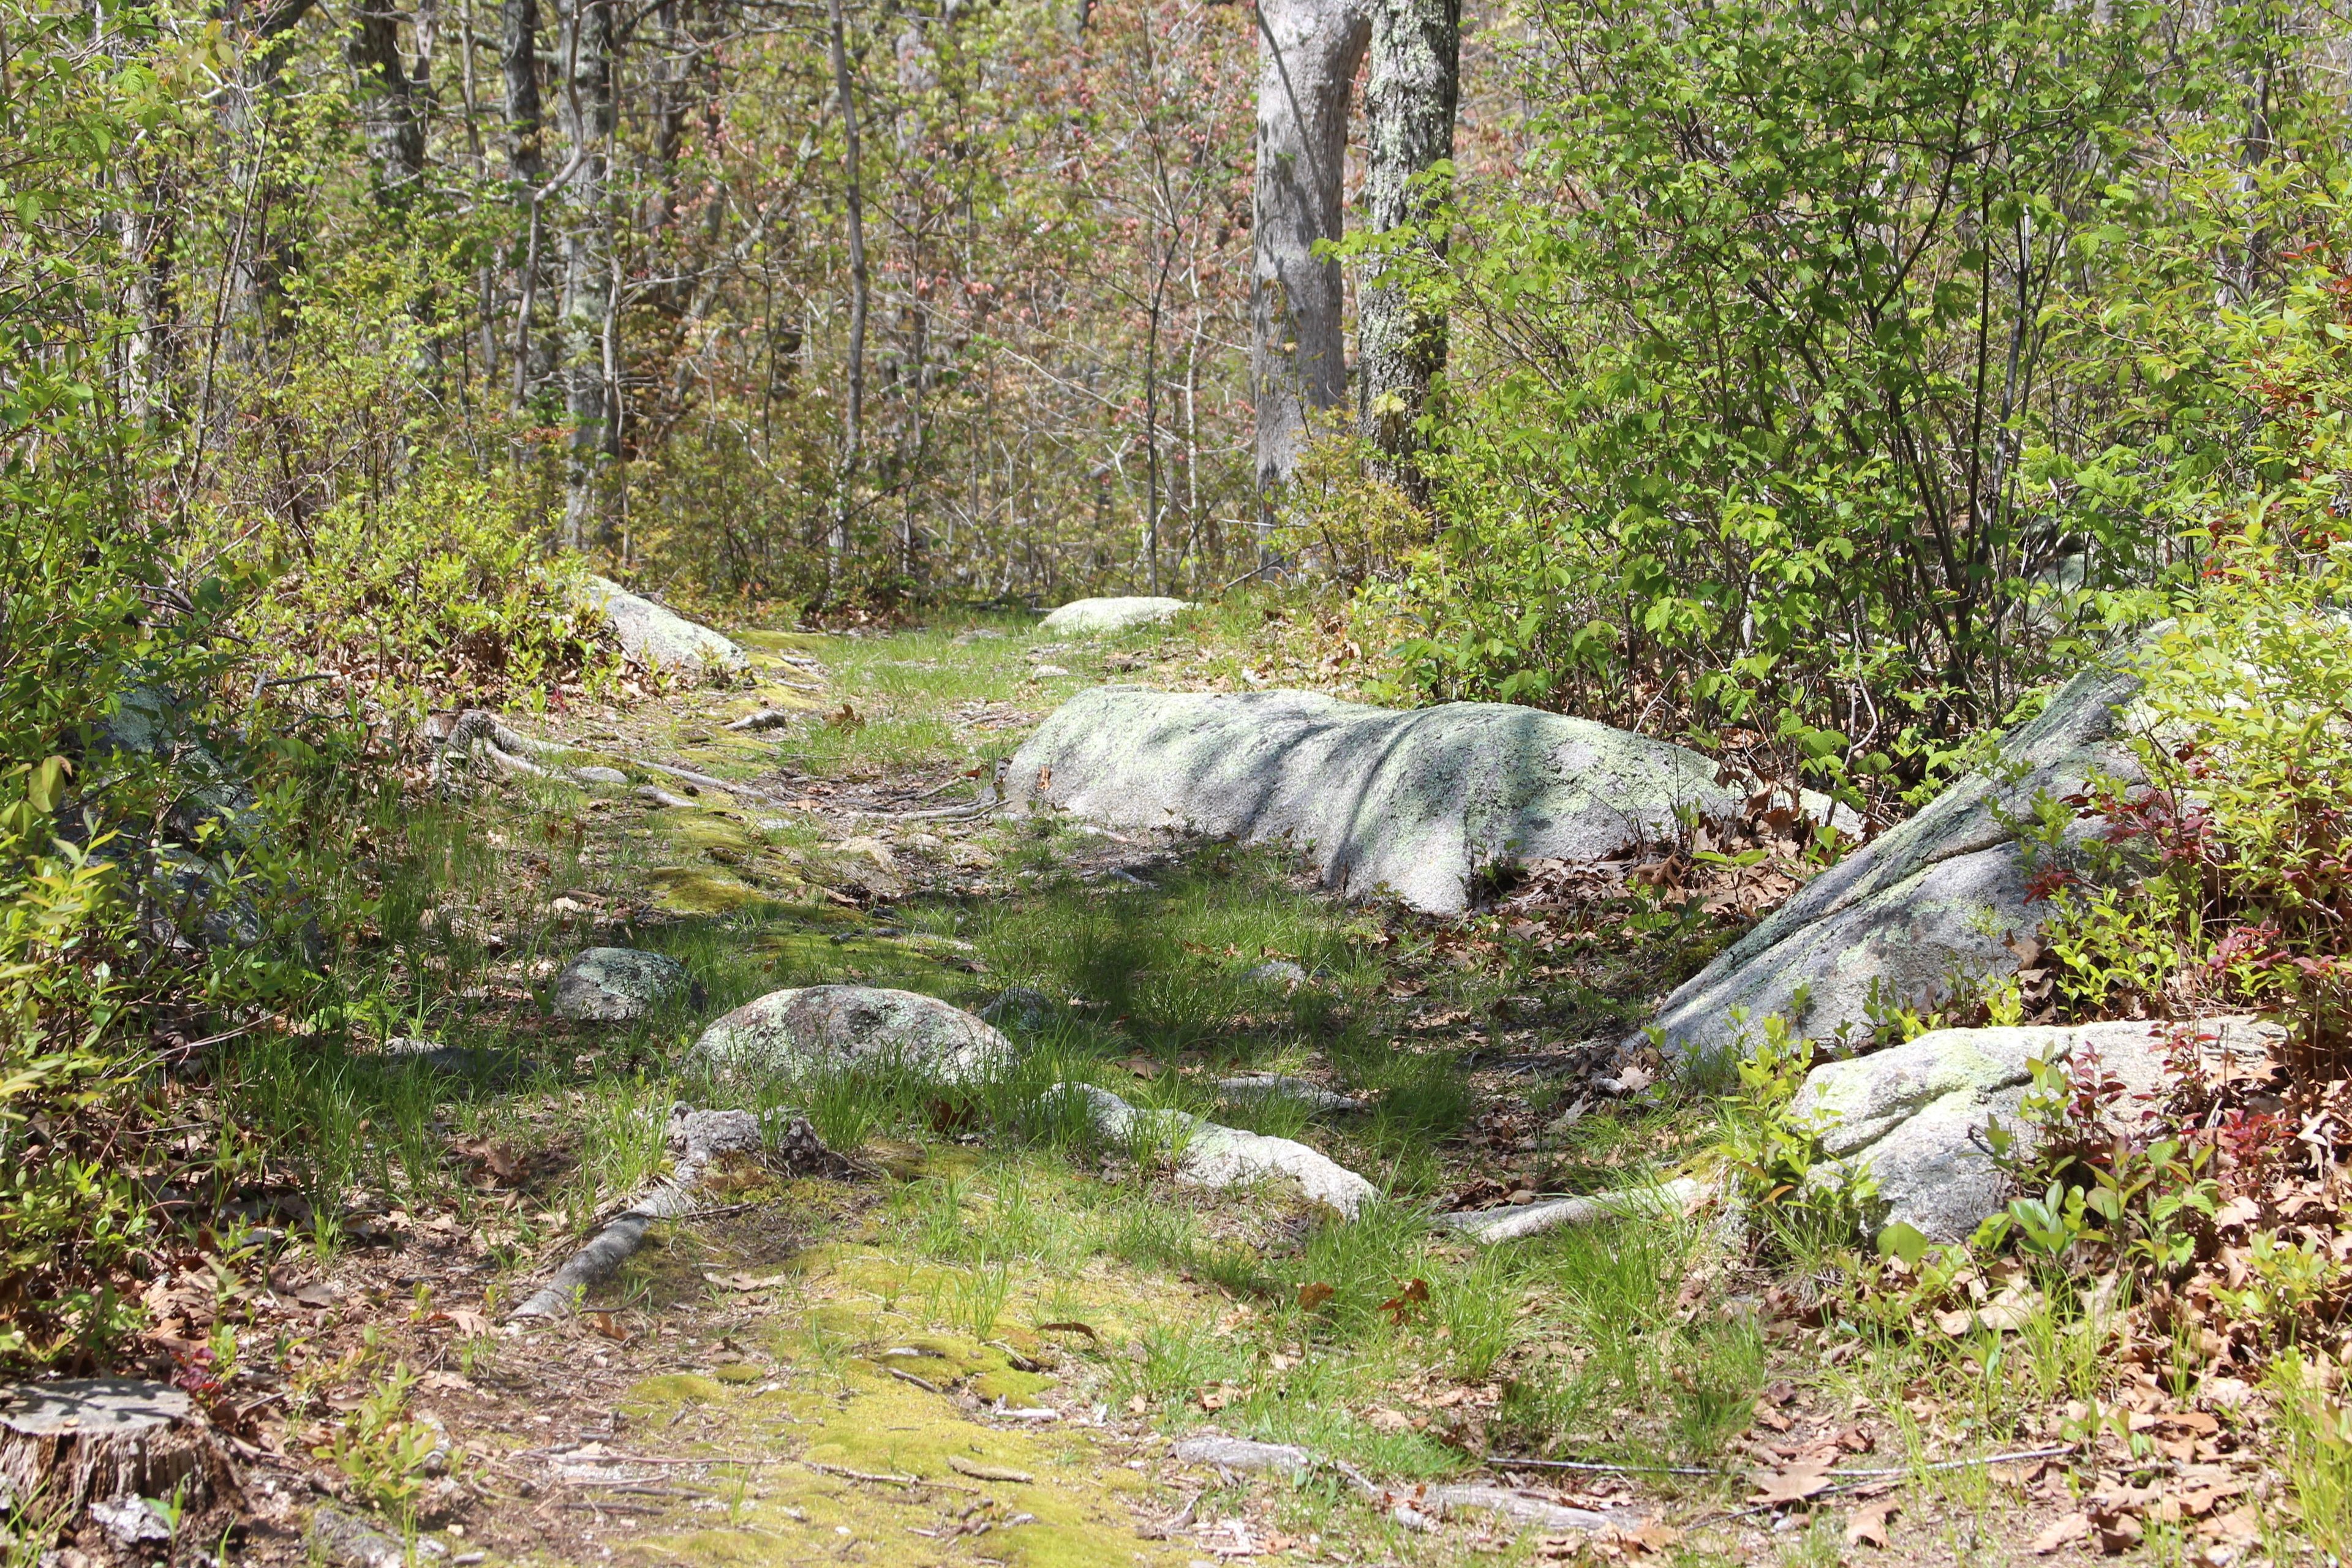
[(1942, 895), (1111, 614), (129, 1521), (1281, 1086), (1913, 1117), (1213, 1155), (817, 1027), (1049, 672), (348, 1540), (1020, 1007), (1278, 972), (619, 984), (1420, 802), (68, 1445), (657, 636), (601, 777)]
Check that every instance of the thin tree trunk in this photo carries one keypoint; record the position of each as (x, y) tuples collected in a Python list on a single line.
[(588, 122), (852, 432), (526, 166), (1409, 106)]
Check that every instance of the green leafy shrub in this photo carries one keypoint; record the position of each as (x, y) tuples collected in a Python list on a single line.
[(434, 594)]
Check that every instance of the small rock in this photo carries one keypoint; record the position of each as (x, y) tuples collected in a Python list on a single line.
[(1281, 1086), (601, 777), (127, 1521), (1049, 672), (617, 985), (351, 1542), (1214, 1156), (1278, 972), (1112, 615), (819, 1027)]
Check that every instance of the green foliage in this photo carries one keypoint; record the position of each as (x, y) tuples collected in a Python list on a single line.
[(1773, 1154), (1865, 362)]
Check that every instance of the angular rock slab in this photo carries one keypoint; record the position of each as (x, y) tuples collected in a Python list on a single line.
[(1914, 1117), (1112, 615), (619, 984), (1215, 1155), (653, 635), (1418, 802), (815, 1029), (1941, 895)]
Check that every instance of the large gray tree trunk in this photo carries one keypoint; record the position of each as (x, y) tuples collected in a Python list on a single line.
[(1409, 106), (395, 136), (1299, 350), (587, 116)]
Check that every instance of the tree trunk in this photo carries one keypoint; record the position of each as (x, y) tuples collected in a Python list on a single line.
[(852, 431), (587, 118), (1297, 352), (395, 136), (1409, 105)]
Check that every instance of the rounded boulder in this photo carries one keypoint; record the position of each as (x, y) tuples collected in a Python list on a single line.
[(619, 984), (817, 1028)]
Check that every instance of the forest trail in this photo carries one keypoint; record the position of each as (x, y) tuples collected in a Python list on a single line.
[(987, 1350)]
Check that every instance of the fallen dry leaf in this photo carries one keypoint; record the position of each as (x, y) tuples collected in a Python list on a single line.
[(1795, 1483), (2072, 1526), (1866, 1526), (1314, 1294)]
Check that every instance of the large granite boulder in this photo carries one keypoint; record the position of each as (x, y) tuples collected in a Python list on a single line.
[(619, 984), (1914, 1117), (817, 1028), (1420, 804), (656, 636), (1112, 615), (1942, 896)]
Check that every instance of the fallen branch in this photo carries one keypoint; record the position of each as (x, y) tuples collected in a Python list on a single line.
[(1519, 1221)]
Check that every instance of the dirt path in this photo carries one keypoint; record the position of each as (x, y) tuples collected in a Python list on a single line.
[(987, 1352)]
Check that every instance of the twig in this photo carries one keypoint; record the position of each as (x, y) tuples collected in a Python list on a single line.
[(1599, 1468), (1852, 1481), (924, 1383), (887, 1480)]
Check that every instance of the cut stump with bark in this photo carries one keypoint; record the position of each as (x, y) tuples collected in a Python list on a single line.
[(65, 1446)]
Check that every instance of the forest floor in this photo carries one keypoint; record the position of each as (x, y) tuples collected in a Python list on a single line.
[(985, 1351)]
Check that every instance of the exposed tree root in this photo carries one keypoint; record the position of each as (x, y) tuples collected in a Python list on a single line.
[(1679, 1196), (698, 1139)]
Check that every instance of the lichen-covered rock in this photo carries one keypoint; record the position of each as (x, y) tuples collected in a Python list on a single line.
[(618, 984), (1211, 1154), (1112, 615), (1914, 1117), (1419, 803), (656, 636), (818, 1028), (1940, 898)]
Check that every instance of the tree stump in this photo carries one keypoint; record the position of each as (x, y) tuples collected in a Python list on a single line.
[(65, 1446)]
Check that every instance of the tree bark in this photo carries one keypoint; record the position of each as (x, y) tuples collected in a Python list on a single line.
[(519, 65), (852, 431), (588, 122), (1409, 105), (1297, 353), (395, 136)]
